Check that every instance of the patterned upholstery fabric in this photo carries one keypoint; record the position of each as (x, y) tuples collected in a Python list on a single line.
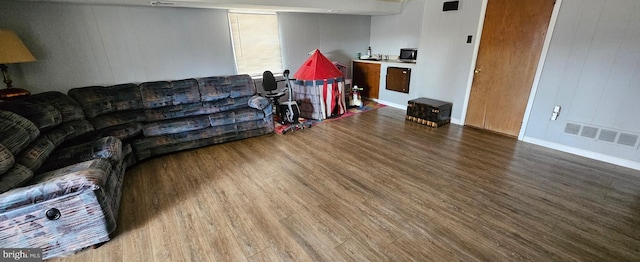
[(149, 146), (43, 116), (79, 128), (17, 176), (159, 94), (69, 109), (6, 159), (36, 153), (123, 132), (109, 148), (10, 123), (185, 92), (89, 174), (258, 102), (130, 158), (98, 100), (236, 116), (85, 211), (220, 87), (207, 140), (117, 118), (174, 126), (59, 134), (194, 109)]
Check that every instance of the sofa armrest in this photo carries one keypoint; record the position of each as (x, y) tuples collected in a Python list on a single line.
[(109, 148), (89, 175), (259, 102)]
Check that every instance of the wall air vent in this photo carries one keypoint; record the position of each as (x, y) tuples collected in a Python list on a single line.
[(603, 134), (628, 139), (572, 128), (588, 131), (608, 135)]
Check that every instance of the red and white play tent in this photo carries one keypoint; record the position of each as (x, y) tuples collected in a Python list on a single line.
[(319, 88)]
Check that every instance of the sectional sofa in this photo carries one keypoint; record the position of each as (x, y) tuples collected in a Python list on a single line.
[(63, 157)]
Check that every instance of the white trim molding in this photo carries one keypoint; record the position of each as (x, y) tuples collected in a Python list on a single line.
[(584, 153), (541, 61)]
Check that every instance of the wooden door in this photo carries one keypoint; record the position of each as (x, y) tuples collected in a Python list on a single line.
[(398, 79), (367, 76), (512, 40)]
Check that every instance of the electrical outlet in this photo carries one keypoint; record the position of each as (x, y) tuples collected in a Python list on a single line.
[(555, 113)]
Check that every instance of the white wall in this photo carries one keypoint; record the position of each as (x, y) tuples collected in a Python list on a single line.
[(82, 45), (389, 33), (339, 37), (444, 57), (592, 70)]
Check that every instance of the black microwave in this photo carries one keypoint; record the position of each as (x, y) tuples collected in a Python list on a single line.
[(408, 54)]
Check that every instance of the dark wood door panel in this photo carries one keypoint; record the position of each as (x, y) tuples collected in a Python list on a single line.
[(398, 79)]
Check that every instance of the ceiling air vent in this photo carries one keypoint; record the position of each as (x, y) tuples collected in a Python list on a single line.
[(573, 129), (589, 131), (628, 139), (607, 135)]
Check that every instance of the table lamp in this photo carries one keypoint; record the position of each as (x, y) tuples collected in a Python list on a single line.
[(12, 51)]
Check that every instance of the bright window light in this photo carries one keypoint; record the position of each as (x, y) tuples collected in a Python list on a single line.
[(256, 42)]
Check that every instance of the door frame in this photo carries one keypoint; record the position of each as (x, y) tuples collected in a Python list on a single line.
[(536, 80)]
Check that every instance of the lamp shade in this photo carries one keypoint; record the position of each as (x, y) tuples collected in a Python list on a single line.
[(12, 50)]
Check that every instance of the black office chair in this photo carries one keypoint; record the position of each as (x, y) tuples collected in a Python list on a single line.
[(270, 85)]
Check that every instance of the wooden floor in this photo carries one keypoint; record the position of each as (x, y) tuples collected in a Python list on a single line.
[(374, 187)]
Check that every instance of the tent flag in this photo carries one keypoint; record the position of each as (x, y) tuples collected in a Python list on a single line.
[(317, 67)]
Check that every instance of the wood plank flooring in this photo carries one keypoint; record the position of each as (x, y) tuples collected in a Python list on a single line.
[(374, 187)]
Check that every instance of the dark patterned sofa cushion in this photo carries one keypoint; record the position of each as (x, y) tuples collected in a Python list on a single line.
[(177, 125), (94, 100), (117, 118), (98, 100), (17, 176), (194, 109), (161, 93), (12, 119), (220, 87), (169, 112), (226, 104), (73, 178), (258, 102), (123, 132), (79, 128), (59, 134), (44, 116), (6, 159), (16, 132), (109, 148), (36, 153), (235, 116), (185, 91), (68, 108)]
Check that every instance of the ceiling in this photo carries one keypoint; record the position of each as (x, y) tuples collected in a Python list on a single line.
[(356, 7)]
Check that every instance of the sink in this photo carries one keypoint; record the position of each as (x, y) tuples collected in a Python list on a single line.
[(371, 59)]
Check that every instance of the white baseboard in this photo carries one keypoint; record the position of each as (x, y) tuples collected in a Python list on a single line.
[(585, 153), (398, 106)]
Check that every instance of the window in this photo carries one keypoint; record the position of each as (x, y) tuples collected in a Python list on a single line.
[(256, 42)]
